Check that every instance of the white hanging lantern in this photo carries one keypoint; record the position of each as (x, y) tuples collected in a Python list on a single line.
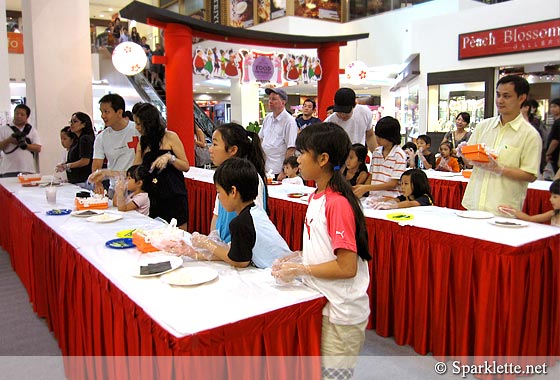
[(356, 71), (129, 58)]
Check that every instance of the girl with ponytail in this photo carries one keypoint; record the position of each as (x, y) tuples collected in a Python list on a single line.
[(232, 140), (335, 247)]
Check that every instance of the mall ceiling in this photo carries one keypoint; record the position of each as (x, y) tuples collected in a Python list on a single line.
[(104, 9)]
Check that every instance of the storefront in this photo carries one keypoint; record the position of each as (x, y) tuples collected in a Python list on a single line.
[(472, 90)]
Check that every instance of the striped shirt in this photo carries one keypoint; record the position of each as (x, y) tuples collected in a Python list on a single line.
[(385, 169)]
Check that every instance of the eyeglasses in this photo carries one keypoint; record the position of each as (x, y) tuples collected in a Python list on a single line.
[(72, 121)]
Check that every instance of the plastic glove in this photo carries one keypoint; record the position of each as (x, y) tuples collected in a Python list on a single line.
[(287, 272), (443, 165), (509, 211), (97, 176), (460, 147), (176, 247), (384, 205), (294, 257), (203, 245), (215, 235), (60, 167), (492, 165)]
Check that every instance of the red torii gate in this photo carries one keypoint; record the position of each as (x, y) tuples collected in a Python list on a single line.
[(179, 31)]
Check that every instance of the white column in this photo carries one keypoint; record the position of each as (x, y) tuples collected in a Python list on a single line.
[(244, 102), (4, 64), (57, 69)]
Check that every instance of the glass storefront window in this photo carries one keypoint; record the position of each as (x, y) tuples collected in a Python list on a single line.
[(446, 101), (363, 8)]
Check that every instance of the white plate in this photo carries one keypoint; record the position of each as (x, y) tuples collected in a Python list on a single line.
[(508, 222), (175, 262), (190, 276), (104, 218), (474, 214), (86, 213)]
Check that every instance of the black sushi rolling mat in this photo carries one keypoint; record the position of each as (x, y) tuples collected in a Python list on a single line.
[(155, 268)]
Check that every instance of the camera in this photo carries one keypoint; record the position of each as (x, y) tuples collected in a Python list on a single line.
[(22, 141)]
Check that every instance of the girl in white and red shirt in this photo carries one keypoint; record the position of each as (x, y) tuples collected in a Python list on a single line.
[(335, 248)]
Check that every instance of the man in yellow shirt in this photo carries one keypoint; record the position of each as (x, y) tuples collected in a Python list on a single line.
[(504, 181)]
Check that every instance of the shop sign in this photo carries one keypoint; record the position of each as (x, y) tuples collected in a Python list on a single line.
[(15, 43), (216, 11), (512, 39)]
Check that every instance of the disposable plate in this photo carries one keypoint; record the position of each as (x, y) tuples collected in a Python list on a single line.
[(474, 214), (121, 243), (59, 211), (190, 276), (85, 213), (507, 222), (104, 218)]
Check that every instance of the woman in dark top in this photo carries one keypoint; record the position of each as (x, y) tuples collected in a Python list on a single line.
[(162, 151), (79, 157)]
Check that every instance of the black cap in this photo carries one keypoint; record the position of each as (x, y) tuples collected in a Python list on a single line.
[(344, 100), (281, 93), (389, 128)]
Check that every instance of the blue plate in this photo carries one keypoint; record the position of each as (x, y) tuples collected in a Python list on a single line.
[(59, 211), (121, 243)]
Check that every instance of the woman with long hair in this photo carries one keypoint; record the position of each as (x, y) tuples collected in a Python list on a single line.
[(163, 152)]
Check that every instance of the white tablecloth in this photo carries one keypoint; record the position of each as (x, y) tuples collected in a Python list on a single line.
[(237, 294)]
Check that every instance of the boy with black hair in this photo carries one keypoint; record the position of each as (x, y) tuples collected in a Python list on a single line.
[(424, 158), (388, 161), (254, 239)]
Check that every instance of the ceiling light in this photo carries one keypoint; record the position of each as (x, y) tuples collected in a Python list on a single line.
[(110, 9), (102, 15)]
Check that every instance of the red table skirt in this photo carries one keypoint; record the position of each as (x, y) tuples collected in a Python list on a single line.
[(457, 296), (90, 316), (452, 295), (449, 194)]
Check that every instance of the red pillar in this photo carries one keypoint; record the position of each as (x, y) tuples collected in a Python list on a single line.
[(179, 85), (329, 54)]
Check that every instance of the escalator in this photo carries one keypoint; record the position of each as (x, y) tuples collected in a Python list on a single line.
[(156, 96)]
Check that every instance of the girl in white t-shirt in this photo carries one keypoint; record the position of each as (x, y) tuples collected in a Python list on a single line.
[(335, 248), (291, 172), (137, 198), (552, 216)]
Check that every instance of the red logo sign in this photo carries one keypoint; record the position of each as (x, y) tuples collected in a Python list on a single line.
[(512, 39), (15, 43)]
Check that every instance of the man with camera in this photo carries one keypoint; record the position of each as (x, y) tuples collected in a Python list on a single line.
[(18, 143)]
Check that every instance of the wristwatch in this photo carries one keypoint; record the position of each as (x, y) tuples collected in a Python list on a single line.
[(173, 158), (68, 168)]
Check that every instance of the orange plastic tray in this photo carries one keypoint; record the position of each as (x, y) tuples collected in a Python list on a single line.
[(27, 178), (97, 206), (140, 242), (476, 152)]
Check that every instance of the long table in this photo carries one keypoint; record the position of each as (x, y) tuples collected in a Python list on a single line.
[(448, 190), (95, 307), (441, 283)]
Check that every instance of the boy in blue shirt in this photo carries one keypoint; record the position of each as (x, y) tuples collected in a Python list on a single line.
[(254, 239)]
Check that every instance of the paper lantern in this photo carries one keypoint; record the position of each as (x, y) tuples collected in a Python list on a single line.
[(129, 58), (356, 71)]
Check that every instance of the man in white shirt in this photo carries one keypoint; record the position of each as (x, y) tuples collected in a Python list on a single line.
[(356, 120), (279, 132), (116, 143), (18, 144)]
